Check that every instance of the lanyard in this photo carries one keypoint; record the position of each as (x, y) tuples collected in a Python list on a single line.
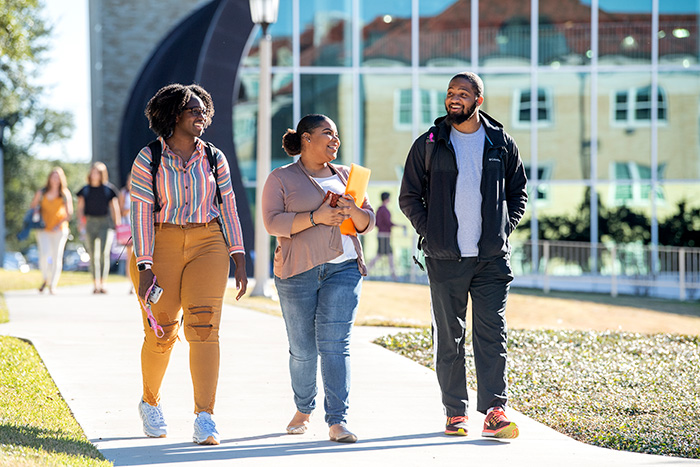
[(157, 328)]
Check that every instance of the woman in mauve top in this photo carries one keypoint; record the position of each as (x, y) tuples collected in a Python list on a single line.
[(318, 270)]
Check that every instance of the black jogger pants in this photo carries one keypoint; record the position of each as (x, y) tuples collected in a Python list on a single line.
[(488, 283)]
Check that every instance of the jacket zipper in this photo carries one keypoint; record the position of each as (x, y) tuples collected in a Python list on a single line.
[(484, 158), (458, 253)]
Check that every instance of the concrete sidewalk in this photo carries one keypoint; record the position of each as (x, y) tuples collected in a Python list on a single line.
[(91, 346)]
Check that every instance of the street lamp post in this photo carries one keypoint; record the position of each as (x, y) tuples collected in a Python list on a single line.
[(264, 13)]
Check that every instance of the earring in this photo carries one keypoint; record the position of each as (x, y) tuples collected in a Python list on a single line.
[(308, 140)]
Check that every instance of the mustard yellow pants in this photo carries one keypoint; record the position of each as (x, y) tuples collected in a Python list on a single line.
[(191, 264)]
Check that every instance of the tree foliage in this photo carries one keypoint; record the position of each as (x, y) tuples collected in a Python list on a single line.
[(24, 40), (682, 228), (620, 225)]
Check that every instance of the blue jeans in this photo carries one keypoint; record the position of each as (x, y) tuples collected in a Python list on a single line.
[(319, 308)]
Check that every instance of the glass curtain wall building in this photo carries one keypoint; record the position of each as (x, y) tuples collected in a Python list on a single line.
[(602, 96)]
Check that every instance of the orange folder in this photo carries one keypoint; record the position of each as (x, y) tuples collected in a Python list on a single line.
[(357, 188)]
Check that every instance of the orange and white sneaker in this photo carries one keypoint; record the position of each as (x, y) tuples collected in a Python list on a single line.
[(456, 426), (497, 425)]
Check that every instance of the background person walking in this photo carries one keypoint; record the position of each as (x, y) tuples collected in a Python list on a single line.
[(183, 238), (384, 226), (318, 270), (98, 214), (464, 203), (55, 203)]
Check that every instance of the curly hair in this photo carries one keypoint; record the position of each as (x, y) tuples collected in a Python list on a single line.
[(291, 140), (169, 102)]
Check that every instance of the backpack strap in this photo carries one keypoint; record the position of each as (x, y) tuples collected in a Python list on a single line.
[(430, 147), (210, 148), (156, 156), (156, 153)]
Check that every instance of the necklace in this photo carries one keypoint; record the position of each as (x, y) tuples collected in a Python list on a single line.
[(316, 173)]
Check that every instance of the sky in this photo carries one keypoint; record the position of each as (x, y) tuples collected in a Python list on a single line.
[(66, 76)]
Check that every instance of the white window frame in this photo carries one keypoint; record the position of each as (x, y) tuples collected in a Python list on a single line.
[(400, 106), (543, 185), (637, 185), (548, 106), (632, 105), (436, 107)]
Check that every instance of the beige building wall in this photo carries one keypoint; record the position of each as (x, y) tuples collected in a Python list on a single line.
[(123, 35), (385, 152)]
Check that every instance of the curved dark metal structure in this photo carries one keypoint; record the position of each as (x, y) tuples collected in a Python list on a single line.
[(205, 48)]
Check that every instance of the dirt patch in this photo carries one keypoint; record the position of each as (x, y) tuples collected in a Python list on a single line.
[(394, 304)]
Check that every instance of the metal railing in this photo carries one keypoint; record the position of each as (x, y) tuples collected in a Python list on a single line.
[(635, 269), (632, 269)]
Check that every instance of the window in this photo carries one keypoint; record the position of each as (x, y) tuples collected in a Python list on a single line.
[(432, 105), (403, 110), (637, 190), (544, 174), (522, 107), (633, 106)]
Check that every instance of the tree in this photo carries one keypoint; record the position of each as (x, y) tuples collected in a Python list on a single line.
[(24, 41), (620, 225), (682, 228)]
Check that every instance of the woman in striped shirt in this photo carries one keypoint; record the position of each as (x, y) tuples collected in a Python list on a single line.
[(184, 246)]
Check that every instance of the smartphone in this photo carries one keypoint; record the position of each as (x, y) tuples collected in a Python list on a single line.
[(156, 292)]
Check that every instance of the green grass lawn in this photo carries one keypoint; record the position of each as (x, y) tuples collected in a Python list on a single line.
[(625, 391), (36, 425)]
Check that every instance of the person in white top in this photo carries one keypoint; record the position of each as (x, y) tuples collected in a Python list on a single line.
[(318, 270)]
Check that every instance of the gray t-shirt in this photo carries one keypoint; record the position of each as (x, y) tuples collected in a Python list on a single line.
[(469, 149)]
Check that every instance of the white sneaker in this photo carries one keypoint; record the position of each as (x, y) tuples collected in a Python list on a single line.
[(153, 422), (205, 430)]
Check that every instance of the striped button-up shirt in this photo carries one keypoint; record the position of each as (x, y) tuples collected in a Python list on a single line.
[(186, 193)]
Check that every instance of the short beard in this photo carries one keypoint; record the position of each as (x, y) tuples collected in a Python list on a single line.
[(456, 119)]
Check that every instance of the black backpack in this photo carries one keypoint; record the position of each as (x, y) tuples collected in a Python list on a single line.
[(156, 153)]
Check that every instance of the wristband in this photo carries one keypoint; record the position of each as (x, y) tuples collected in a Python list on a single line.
[(311, 218)]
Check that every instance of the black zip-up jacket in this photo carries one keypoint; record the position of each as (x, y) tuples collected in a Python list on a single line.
[(428, 200)]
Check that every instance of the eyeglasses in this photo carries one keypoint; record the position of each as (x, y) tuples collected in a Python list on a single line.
[(197, 111)]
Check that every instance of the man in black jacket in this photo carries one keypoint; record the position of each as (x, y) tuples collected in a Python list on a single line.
[(464, 191)]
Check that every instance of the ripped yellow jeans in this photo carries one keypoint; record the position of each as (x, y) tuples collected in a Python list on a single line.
[(191, 264)]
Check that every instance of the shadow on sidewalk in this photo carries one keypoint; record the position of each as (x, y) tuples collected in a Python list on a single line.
[(232, 449)]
